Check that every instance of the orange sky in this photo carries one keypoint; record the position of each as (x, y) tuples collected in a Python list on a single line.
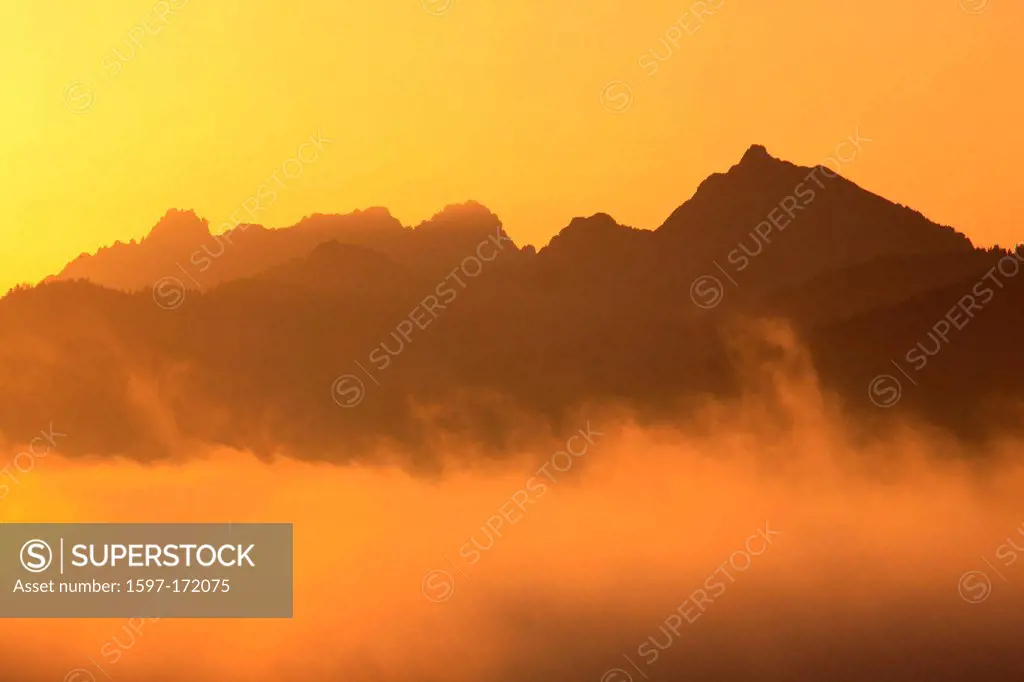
[(439, 101)]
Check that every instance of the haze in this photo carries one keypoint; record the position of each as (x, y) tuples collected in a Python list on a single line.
[(862, 577), (773, 434)]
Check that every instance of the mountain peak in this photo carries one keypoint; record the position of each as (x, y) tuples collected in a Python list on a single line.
[(599, 231), (598, 221), (469, 210), (470, 218), (321, 220), (757, 153), (178, 226)]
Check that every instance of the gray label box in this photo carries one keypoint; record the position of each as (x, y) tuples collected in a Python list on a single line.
[(146, 570)]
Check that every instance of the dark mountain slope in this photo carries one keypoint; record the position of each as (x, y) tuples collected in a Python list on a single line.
[(450, 329), (181, 246)]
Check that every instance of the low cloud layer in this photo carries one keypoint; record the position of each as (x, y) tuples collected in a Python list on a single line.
[(771, 540)]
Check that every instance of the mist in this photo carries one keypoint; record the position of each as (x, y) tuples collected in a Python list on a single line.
[(767, 538)]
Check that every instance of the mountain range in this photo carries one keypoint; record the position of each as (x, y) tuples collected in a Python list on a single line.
[(320, 339)]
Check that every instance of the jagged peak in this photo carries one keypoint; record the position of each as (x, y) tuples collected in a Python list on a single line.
[(178, 224), (378, 212), (756, 153), (757, 160), (596, 220), (599, 225), (467, 210)]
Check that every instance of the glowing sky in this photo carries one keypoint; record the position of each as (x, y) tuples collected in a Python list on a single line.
[(439, 101)]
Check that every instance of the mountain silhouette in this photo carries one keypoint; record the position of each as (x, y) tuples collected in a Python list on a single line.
[(449, 327), (181, 245), (786, 223)]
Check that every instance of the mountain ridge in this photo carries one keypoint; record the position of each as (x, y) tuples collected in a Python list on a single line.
[(717, 219), (450, 325)]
